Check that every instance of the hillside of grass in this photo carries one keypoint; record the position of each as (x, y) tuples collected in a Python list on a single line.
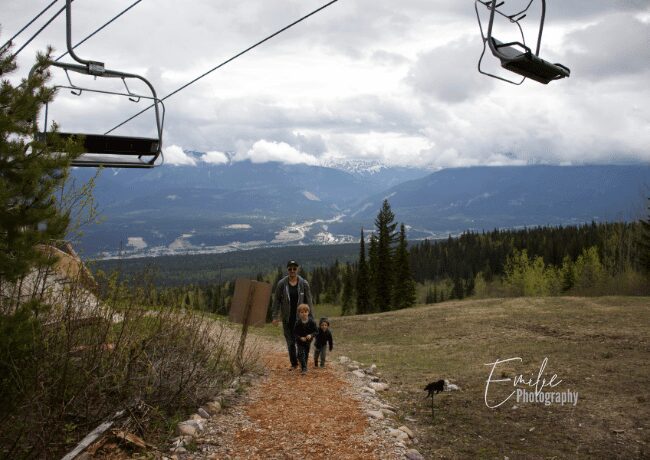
[(597, 346)]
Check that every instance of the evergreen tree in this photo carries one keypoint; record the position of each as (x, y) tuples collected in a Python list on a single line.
[(643, 243), (384, 276), (30, 172), (373, 268), (363, 280), (348, 291), (404, 287)]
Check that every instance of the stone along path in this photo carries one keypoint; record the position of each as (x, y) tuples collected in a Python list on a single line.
[(286, 415)]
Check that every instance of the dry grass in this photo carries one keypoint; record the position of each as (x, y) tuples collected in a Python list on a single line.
[(599, 347)]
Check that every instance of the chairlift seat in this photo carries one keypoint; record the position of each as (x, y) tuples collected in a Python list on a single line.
[(527, 64), (115, 151)]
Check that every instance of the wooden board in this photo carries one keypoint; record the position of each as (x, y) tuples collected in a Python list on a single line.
[(260, 296)]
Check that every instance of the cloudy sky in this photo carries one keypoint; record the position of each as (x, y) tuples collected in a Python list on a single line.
[(363, 79)]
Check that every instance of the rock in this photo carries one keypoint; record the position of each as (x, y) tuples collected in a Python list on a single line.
[(374, 378), (344, 359), (353, 367), (179, 450), (185, 429), (406, 430), (375, 414), (452, 387), (387, 412), (378, 386), (372, 369), (368, 390), (197, 417), (410, 419), (213, 407), (234, 383), (398, 434), (203, 413), (413, 454), (359, 374), (401, 444)]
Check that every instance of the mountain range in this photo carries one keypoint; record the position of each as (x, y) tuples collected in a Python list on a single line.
[(240, 205)]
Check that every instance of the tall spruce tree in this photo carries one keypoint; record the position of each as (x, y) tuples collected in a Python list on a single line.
[(363, 280), (30, 172), (404, 288), (383, 271), (643, 242), (348, 290), (372, 272)]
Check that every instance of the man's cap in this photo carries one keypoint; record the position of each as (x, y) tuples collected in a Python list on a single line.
[(324, 319), (293, 262)]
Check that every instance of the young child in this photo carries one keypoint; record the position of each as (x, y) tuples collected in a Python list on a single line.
[(320, 346), (304, 331)]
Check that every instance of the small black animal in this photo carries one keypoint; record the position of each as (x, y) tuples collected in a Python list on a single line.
[(435, 387)]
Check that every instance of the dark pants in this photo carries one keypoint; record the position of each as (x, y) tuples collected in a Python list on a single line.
[(291, 343), (322, 352), (303, 354)]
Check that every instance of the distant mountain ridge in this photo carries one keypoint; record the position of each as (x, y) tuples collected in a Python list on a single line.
[(218, 208)]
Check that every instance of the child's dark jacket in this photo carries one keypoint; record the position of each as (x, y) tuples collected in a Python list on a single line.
[(323, 338), (304, 329)]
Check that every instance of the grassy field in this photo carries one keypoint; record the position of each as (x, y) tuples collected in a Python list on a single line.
[(598, 347)]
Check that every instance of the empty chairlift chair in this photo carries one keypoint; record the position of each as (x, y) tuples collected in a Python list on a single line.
[(516, 56), (104, 149)]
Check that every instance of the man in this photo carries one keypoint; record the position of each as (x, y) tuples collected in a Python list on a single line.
[(291, 291)]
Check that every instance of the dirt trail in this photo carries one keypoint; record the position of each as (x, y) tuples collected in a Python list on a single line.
[(287, 415)]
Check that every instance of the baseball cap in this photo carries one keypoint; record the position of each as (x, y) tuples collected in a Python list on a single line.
[(293, 262)]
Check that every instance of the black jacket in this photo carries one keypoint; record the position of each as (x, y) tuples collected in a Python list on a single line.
[(323, 338), (301, 329), (281, 308)]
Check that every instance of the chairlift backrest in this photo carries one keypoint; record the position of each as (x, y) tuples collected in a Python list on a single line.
[(103, 149), (516, 56)]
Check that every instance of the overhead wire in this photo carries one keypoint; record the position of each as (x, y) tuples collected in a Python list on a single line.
[(38, 32), (226, 62), (27, 25), (100, 28)]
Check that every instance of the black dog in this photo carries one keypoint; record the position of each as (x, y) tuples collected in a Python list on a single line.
[(435, 387)]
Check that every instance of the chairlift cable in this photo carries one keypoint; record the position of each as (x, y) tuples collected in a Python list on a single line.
[(226, 62), (99, 29), (28, 24), (38, 32)]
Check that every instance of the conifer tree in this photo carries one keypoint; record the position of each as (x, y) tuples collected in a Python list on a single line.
[(30, 172), (404, 287), (644, 243), (348, 291), (373, 267), (363, 280), (384, 276)]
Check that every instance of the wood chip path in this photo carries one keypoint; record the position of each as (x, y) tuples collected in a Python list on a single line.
[(287, 415)]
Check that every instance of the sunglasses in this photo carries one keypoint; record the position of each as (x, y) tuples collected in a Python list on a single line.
[(292, 269)]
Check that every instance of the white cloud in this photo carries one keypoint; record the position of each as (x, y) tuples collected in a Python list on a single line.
[(264, 151), (216, 158), (174, 155)]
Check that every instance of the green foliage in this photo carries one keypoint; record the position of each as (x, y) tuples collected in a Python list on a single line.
[(363, 280), (384, 271), (30, 172), (643, 242), (530, 276), (348, 290), (589, 274), (404, 289)]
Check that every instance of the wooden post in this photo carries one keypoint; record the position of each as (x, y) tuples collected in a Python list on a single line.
[(239, 359)]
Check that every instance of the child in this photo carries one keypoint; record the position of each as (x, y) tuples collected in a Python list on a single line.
[(320, 346), (304, 331)]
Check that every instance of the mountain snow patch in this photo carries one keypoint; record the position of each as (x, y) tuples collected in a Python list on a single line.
[(136, 242), (310, 196), (238, 226)]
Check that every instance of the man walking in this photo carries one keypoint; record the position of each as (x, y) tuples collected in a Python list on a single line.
[(291, 291)]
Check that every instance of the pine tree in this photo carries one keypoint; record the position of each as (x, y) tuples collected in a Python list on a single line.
[(643, 243), (404, 287), (373, 267), (348, 291), (30, 172), (384, 276), (363, 280)]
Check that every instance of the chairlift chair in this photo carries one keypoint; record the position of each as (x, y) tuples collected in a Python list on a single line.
[(104, 149), (516, 56)]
